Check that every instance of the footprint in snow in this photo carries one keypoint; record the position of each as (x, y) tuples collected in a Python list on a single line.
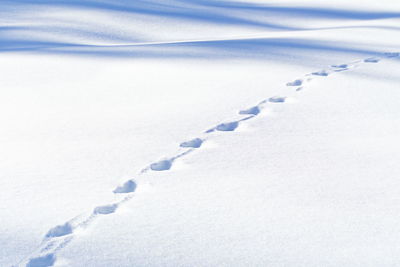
[(320, 73), (297, 82), (162, 165), (127, 187), (43, 261), (227, 127), (194, 143), (106, 209), (60, 230), (372, 60), (251, 111), (277, 99), (341, 67), (392, 54)]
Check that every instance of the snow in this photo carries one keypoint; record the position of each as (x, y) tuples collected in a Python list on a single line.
[(199, 133)]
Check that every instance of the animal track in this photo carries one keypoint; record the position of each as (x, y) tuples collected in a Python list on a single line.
[(127, 187), (392, 54), (372, 60), (251, 111), (227, 127), (106, 209), (297, 82), (162, 165), (341, 66), (277, 99), (59, 236), (60, 230), (320, 73), (194, 143), (43, 261)]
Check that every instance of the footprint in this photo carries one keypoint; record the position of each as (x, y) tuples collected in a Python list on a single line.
[(297, 82), (251, 111), (392, 54), (60, 230), (372, 60), (277, 99), (341, 66), (106, 209), (127, 187), (162, 165), (44, 261), (194, 143), (320, 73), (227, 127)]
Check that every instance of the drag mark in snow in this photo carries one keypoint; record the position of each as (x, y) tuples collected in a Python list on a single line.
[(61, 235)]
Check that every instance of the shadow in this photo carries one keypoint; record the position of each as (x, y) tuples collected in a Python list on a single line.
[(176, 10), (257, 49), (47, 34), (309, 12), (194, 9)]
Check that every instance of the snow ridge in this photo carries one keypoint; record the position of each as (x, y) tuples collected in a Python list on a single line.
[(61, 235)]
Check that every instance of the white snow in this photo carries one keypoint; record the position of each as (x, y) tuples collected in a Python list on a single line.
[(199, 133)]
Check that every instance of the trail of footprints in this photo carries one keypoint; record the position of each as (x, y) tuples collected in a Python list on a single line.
[(60, 235)]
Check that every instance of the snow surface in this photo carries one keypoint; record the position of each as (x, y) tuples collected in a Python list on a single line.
[(199, 133)]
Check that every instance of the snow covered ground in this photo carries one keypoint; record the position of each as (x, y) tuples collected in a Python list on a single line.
[(199, 133)]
